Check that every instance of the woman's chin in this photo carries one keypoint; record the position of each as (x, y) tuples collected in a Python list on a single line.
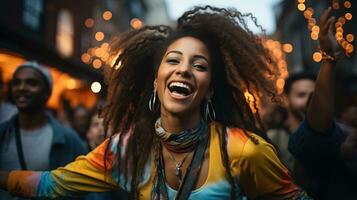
[(178, 110)]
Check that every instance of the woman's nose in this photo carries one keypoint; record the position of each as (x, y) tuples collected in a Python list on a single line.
[(184, 69)]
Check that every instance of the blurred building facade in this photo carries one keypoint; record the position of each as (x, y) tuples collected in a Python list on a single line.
[(70, 37)]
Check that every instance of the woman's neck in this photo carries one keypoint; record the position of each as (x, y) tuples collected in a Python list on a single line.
[(175, 124)]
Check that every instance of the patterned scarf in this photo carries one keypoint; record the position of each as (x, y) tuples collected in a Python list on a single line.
[(184, 141)]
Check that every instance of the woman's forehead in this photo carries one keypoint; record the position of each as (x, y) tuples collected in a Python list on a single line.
[(188, 45)]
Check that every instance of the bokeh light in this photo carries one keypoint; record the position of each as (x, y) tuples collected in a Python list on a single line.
[(99, 36), (301, 7), (96, 87), (89, 22), (317, 56), (107, 15), (85, 58), (136, 23), (97, 63)]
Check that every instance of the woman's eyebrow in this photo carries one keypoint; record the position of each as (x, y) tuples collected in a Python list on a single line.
[(174, 51), (201, 56), (195, 56)]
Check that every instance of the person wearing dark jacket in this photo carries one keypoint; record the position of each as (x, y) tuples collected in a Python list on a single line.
[(319, 143), (33, 140)]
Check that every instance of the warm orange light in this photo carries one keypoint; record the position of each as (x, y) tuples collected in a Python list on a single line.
[(312, 21), (269, 43), (105, 46), (97, 63), (339, 30), (277, 53), (307, 14), (339, 36), (338, 24), (71, 84), (89, 22), (317, 57), (301, 7), (136, 23), (282, 64), (99, 36), (85, 58), (284, 73), (314, 35), (348, 16), (311, 10), (347, 4), (248, 96), (344, 44), (342, 20), (315, 29), (301, 1), (107, 15), (335, 5), (277, 44), (99, 52), (349, 37), (280, 83), (288, 48), (349, 48), (105, 57)]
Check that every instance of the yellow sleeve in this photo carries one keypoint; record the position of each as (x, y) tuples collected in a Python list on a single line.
[(85, 174), (259, 171)]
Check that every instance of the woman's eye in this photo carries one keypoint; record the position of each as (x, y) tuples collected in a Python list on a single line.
[(200, 67), (173, 61)]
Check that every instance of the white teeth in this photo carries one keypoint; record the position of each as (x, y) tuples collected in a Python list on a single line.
[(179, 84)]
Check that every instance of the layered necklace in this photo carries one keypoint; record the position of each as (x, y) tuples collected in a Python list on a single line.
[(194, 140), (185, 141)]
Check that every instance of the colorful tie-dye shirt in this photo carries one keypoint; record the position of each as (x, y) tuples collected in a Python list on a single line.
[(256, 167)]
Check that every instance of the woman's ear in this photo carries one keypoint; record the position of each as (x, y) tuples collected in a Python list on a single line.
[(155, 84)]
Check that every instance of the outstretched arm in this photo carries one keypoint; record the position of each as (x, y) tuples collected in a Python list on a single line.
[(321, 108), (318, 136), (85, 174)]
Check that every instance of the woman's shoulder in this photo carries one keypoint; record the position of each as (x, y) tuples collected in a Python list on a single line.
[(247, 145)]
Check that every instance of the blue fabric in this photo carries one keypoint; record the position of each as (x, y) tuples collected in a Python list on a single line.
[(320, 155)]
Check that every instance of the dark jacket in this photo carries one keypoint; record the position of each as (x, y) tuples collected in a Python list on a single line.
[(320, 155), (66, 144)]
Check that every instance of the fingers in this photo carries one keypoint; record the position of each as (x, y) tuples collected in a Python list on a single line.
[(326, 22), (330, 24), (325, 15)]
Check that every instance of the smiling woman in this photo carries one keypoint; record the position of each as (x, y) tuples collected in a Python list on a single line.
[(183, 82), (179, 122)]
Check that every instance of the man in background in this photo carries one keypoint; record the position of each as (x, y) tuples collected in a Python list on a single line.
[(298, 88), (33, 140)]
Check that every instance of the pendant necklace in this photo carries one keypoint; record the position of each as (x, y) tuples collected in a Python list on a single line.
[(178, 165)]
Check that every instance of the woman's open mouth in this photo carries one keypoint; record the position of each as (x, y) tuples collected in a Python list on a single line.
[(180, 90)]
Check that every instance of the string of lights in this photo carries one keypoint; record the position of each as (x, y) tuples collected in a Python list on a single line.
[(345, 40)]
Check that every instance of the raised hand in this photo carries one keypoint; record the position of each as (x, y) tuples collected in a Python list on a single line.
[(328, 42)]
